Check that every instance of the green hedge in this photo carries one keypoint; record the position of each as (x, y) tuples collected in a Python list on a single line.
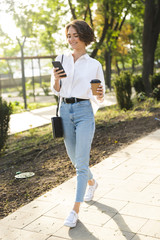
[(5, 112), (138, 84), (123, 90), (155, 84)]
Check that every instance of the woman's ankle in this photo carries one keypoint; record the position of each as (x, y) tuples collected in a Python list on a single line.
[(91, 182), (76, 207)]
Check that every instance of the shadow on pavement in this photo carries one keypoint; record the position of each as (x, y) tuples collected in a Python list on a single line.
[(81, 232), (120, 222)]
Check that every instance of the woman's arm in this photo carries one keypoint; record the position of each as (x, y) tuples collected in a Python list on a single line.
[(56, 75)]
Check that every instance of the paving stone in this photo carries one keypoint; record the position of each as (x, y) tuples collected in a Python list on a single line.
[(123, 154), (132, 186), (112, 162), (137, 146), (122, 172), (126, 223), (149, 169), (45, 225), (149, 153), (96, 217), (142, 210), (154, 145), (142, 177), (152, 188), (59, 194), (37, 207), (60, 211), (19, 219), (135, 197), (151, 228), (19, 234), (143, 237), (107, 205), (157, 180)]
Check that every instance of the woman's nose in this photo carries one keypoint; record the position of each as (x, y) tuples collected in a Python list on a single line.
[(72, 38)]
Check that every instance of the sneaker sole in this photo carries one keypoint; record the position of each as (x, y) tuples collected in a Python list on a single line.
[(70, 225)]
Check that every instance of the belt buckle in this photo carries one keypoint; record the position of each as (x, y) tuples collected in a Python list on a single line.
[(64, 100)]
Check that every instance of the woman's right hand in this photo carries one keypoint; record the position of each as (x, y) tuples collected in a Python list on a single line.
[(57, 76)]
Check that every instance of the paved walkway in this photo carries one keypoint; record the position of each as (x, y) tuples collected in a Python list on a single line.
[(23, 121), (126, 204)]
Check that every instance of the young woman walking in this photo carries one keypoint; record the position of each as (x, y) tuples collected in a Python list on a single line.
[(76, 109)]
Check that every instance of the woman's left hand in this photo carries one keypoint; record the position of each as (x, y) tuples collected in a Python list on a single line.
[(100, 95)]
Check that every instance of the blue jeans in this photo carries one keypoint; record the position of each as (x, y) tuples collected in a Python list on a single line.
[(79, 127)]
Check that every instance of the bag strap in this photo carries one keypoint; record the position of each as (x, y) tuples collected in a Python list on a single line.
[(60, 88)]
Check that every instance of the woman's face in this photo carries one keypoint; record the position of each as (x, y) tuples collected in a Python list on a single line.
[(73, 39)]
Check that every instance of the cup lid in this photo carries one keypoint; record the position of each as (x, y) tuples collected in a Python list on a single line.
[(95, 81)]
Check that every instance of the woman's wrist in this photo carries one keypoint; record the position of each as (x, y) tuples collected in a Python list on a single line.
[(56, 85)]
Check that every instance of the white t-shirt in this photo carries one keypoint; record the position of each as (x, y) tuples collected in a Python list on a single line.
[(79, 74)]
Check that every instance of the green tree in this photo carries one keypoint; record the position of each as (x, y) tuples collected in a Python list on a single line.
[(108, 20)]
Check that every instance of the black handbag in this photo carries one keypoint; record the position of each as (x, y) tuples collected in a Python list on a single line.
[(57, 126)]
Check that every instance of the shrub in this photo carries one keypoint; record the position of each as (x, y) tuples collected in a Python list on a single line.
[(155, 84), (141, 96), (123, 90), (5, 112), (138, 84), (155, 80), (156, 93)]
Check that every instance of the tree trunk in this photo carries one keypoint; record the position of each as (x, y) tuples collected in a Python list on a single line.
[(118, 69), (133, 66), (108, 68), (150, 38), (23, 71)]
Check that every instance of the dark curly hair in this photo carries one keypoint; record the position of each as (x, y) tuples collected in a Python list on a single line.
[(84, 31)]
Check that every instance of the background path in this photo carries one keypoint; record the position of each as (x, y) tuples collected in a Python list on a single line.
[(30, 119)]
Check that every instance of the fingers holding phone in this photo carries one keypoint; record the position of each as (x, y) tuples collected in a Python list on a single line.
[(58, 74), (59, 71)]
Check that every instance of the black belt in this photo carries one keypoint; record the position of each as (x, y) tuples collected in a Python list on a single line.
[(72, 100)]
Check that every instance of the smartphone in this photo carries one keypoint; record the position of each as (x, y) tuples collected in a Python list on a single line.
[(57, 64)]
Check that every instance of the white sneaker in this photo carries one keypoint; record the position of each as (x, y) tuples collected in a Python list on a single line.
[(71, 220), (90, 193)]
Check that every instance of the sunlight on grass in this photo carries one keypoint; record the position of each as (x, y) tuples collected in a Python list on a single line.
[(112, 115), (19, 107)]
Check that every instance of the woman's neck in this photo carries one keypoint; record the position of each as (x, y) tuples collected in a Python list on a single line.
[(78, 54)]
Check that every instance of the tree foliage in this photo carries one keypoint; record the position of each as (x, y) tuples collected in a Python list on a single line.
[(118, 27)]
